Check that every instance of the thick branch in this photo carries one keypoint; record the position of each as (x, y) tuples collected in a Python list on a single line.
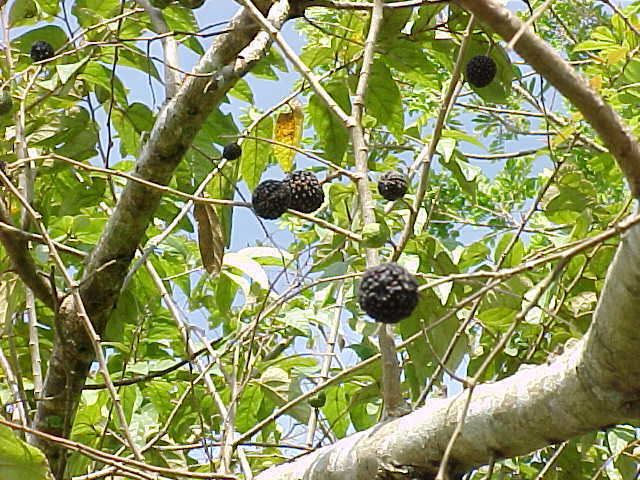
[(546, 61), (230, 57), (593, 385), (17, 249)]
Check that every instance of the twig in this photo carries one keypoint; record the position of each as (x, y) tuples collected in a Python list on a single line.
[(34, 343), (121, 463), (425, 156), (79, 305), (546, 61)]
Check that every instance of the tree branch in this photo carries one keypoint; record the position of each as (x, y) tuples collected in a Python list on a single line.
[(230, 57), (546, 61), (17, 249), (590, 386)]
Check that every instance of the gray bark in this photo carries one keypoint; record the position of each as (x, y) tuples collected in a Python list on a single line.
[(230, 57), (590, 386)]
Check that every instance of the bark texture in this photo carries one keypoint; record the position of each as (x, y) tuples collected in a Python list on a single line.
[(593, 385), (230, 57), (17, 248)]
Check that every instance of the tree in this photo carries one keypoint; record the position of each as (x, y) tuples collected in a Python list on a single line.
[(147, 335)]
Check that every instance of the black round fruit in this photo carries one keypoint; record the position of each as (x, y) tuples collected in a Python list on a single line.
[(231, 151), (388, 293), (392, 186), (481, 70), (271, 199), (41, 50), (306, 192)]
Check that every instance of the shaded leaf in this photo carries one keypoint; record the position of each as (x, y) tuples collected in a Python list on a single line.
[(210, 237)]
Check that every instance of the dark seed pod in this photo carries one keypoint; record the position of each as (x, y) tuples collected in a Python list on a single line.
[(481, 70), (392, 186), (388, 293), (271, 199), (41, 50), (231, 151), (306, 192)]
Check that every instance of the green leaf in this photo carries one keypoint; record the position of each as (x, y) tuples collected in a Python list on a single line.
[(333, 136), (256, 153), (383, 100), (67, 70), (49, 33), (183, 20), (375, 235), (23, 12), (89, 12), (19, 460)]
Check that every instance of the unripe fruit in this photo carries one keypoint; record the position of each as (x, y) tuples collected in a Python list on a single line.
[(318, 400)]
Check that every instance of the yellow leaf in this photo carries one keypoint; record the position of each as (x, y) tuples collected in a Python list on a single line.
[(288, 130), (596, 82), (563, 135), (615, 56), (210, 237)]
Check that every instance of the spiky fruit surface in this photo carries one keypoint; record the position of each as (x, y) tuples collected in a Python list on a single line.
[(191, 3), (271, 199), (231, 151), (481, 70), (392, 186), (41, 50), (306, 191), (6, 102), (388, 293)]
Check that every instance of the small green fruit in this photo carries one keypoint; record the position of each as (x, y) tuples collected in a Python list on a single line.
[(318, 400), (6, 102), (192, 4)]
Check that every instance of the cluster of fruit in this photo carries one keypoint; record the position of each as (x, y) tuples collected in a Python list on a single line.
[(300, 191), (388, 293)]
